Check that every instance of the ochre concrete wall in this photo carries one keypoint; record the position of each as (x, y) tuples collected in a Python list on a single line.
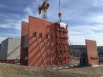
[(92, 52), (43, 49), (37, 54)]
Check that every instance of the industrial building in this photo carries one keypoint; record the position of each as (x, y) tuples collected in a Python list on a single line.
[(10, 49)]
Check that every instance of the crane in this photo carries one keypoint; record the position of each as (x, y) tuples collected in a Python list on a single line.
[(43, 9), (59, 14)]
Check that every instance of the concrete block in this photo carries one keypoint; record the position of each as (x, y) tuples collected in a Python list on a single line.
[(10, 49)]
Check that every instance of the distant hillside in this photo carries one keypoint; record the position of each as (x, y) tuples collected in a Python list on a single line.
[(77, 50), (100, 48)]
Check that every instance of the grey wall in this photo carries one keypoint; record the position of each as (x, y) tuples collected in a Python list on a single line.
[(3, 51), (13, 51), (10, 49)]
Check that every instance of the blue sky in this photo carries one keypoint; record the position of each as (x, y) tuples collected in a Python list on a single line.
[(84, 17)]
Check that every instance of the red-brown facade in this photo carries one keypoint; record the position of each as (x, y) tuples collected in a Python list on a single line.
[(47, 43), (92, 53)]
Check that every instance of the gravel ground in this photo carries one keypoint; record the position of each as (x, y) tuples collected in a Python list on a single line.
[(9, 70)]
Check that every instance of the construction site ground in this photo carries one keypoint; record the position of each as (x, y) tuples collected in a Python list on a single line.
[(11, 70)]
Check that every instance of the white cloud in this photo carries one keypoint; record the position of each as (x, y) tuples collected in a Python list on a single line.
[(98, 19), (72, 10), (11, 25), (79, 33), (1, 39), (29, 11), (98, 3), (95, 19)]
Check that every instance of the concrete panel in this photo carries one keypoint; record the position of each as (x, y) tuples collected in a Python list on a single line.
[(92, 53), (3, 52), (13, 51), (24, 51), (39, 26), (10, 49), (42, 45)]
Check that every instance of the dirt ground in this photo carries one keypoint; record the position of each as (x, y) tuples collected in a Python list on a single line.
[(10, 70)]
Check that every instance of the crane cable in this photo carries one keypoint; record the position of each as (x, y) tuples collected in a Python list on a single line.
[(59, 14), (59, 6)]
